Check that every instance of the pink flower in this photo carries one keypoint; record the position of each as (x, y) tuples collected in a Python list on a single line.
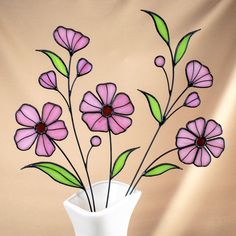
[(109, 112), (193, 100), (44, 129), (48, 80), (83, 67), (95, 141), (198, 141), (198, 75), (70, 39)]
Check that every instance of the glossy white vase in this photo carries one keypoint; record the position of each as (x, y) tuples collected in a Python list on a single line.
[(112, 221)]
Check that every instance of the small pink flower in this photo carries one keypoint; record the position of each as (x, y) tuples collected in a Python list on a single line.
[(95, 141), (159, 61), (70, 39), (109, 112), (44, 129), (198, 141), (48, 80), (83, 67), (198, 75), (193, 100)]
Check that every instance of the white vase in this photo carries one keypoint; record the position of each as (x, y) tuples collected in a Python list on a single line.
[(111, 221)]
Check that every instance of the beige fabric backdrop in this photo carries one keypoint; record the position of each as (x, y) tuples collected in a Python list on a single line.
[(123, 45)]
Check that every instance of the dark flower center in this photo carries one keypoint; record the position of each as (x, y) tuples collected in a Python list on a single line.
[(201, 141), (40, 128), (107, 111)]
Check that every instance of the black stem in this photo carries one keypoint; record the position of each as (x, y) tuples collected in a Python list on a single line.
[(110, 170), (72, 86), (173, 79), (144, 157), (149, 166), (87, 157), (174, 112), (67, 103), (77, 174), (167, 79), (177, 99), (76, 135)]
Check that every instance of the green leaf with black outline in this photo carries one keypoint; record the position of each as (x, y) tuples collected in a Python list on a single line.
[(120, 161), (154, 106), (182, 46), (57, 173), (160, 25), (160, 169), (57, 62)]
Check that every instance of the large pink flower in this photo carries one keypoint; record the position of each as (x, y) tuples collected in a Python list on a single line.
[(198, 141), (44, 129), (109, 112), (198, 75), (70, 39)]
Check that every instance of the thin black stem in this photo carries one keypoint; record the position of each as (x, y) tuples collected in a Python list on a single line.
[(72, 86), (77, 174), (67, 103), (173, 79), (174, 112), (144, 157), (149, 166), (76, 135), (167, 79), (87, 157), (110, 170), (177, 99)]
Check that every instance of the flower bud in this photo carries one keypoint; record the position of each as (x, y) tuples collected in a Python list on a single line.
[(95, 141), (48, 80), (83, 67), (193, 100), (159, 61)]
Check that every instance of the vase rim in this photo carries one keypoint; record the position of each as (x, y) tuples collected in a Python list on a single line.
[(135, 194)]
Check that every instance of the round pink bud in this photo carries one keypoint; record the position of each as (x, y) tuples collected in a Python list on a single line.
[(83, 67), (48, 80), (159, 61), (95, 141), (193, 100)]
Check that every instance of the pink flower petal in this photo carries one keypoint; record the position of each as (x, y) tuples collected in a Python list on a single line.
[(213, 129), (95, 122), (27, 115), (70, 34), (48, 80), (122, 104), (25, 138), (192, 100), (203, 158), (106, 92), (44, 146), (50, 113), (83, 67), (81, 43), (184, 138), (197, 126), (119, 124), (90, 103), (198, 75), (187, 155), (60, 37), (57, 130), (216, 146)]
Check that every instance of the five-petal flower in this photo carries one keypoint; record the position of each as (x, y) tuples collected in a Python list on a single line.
[(44, 129), (109, 112)]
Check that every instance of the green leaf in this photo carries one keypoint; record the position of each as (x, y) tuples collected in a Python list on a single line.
[(160, 25), (120, 161), (154, 106), (160, 169), (57, 173), (57, 62), (182, 46)]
